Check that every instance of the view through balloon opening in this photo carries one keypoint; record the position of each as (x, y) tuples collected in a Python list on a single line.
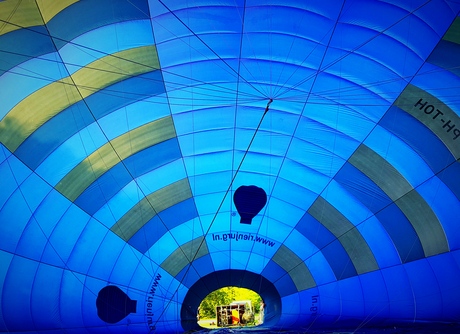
[(225, 279), (231, 307)]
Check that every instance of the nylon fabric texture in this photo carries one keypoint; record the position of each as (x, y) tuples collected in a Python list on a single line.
[(153, 151)]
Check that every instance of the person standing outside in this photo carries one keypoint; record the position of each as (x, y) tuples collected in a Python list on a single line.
[(261, 312)]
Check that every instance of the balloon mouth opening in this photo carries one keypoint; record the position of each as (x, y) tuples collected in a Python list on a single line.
[(236, 278)]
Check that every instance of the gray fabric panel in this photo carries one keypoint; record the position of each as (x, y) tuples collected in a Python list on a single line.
[(351, 239), (302, 277), (436, 115), (381, 172), (134, 219), (149, 206), (425, 222), (188, 252), (295, 267), (453, 34), (415, 208)]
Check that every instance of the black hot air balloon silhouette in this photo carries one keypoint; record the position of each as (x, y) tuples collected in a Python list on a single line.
[(113, 304), (249, 200)]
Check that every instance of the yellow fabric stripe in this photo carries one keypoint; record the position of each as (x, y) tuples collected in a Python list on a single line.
[(170, 195), (21, 13), (50, 8), (107, 156), (32, 112), (184, 255), (35, 110), (114, 68), (453, 34), (148, 207)]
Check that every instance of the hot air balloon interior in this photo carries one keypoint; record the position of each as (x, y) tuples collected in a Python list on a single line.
[(155, 151)]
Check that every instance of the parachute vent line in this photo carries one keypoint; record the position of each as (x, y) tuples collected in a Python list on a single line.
[(236, 172), (220, 205), (268, 106)]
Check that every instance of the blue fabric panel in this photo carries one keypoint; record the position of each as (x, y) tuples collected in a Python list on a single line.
[(446, 55), (400, 293), (125, 92), (104, 188), (332, 249), (66, 233), (148, 234), (447, 272), (48, 66), (409, 129), (179, 213), (187, 276), (5, 260), (101, 190), (81, 17), (34, 190), (70, 153), (86, 246), (204, 265), (445, 206), (45, 296), (87, 301), (273, 271), (253, 282), (375, 294), (361, 187), (396, 152), (14, 216), (367, 42), (352, 304), (127, 262), (314, 231), (384, 16), (402, 233), (329, 308), (19, 171), (68, 122), (9, 182), (293, 193), (19, 282), (320, 26), (339, 260), (167, 219), (425, 289), (71, 286), (434, 81), (107, 253), (53, 133), (24, 44), (450, 176), (105, 41), (307, 301), (320, 269), (4, 153), (285, 286), (391, 87), (32, 241), (51, 209), (153, 157)]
